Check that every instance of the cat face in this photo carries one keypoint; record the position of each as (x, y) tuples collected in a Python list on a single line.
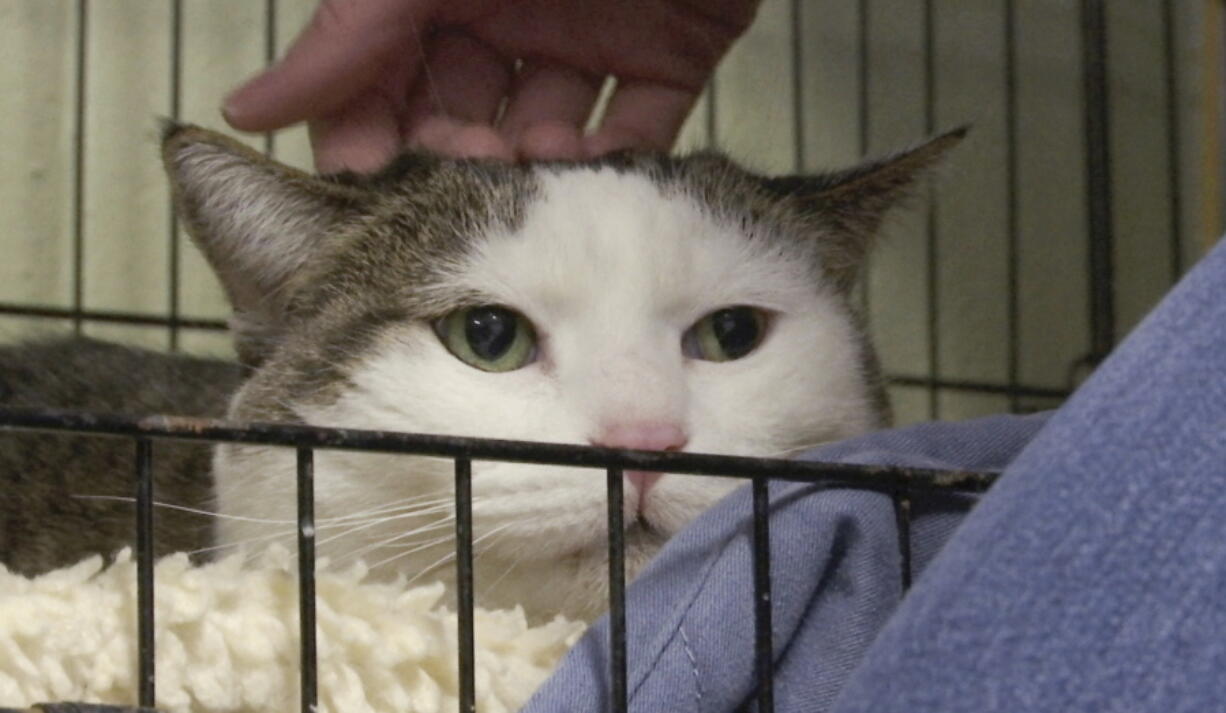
[(638, 302)]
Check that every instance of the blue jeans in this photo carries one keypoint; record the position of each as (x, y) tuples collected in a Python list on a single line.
[(1092, 577)]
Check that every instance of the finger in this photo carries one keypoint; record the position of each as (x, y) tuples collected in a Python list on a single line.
[(364, 137), (550, 141), (641, 115), (480, 141), (463, 79), (367, 132), (546, 92), (338, 56), (461, 140)]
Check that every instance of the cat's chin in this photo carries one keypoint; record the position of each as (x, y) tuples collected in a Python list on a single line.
[(574, 585), (639, 535)]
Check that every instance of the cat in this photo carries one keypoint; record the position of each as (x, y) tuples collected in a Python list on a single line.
[(638, 300)]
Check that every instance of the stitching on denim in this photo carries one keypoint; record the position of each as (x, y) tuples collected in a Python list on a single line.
[(685, 643), (674, 623)]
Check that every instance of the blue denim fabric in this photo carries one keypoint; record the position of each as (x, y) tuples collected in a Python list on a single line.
[(836, 578), (1093, 577)]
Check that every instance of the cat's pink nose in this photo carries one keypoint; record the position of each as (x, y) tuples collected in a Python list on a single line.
[(644, 436)]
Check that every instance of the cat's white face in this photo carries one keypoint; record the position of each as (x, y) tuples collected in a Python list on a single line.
[(615, 309)]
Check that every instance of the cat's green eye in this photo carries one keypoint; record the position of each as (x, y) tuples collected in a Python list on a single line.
[(489, 337), (725, 334)]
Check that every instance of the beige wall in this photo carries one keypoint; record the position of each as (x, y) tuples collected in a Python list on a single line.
[(96, 207)]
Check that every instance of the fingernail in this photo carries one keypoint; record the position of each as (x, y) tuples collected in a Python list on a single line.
[(232, 108), (236, 107)]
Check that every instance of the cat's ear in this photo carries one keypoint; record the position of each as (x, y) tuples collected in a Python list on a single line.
[(258, 223), (846, 207)]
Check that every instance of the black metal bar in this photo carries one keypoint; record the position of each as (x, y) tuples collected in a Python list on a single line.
[(144, 570), (862, 75), (464, 582), (78, 171), (862, 115), (932, 267), (81, 316), (798, 102), (1098, 179), (176, 90), (270, 31), (902, 518), (764, 648), (306, 579), (871, 477), (617, 593), (1013, 307), (711, 120), (270, 56), (1173, 139)]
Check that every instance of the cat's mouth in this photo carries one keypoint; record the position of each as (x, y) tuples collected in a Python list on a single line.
[(640, 538), (640, 524), (640, 535)]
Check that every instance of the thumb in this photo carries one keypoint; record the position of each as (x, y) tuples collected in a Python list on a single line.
[(339, 54)]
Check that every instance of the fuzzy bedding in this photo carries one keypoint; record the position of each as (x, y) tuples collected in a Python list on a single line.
[(227, 640)]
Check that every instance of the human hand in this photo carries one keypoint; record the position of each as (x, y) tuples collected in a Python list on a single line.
[(371, 76)]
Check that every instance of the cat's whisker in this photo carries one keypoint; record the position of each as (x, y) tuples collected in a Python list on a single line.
[(516, 560), (266, 539), (447, 557), (288, 533), (351, 527), (184, 508), (243, 544), (401, 537), (423, 546), (407, 505), (343, 524), (433, 524), (403, 509), (263, 540)]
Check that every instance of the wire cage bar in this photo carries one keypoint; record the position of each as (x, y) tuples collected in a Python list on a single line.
[(144, 559), (902, 516), (617, 591), (464, 581), (896, 482), (764, 647), (1101, 268), (309, 694)]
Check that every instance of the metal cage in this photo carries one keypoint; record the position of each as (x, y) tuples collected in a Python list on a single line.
[(899, 483)]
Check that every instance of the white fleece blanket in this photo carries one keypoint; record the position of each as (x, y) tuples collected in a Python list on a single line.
[(227, 640)]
